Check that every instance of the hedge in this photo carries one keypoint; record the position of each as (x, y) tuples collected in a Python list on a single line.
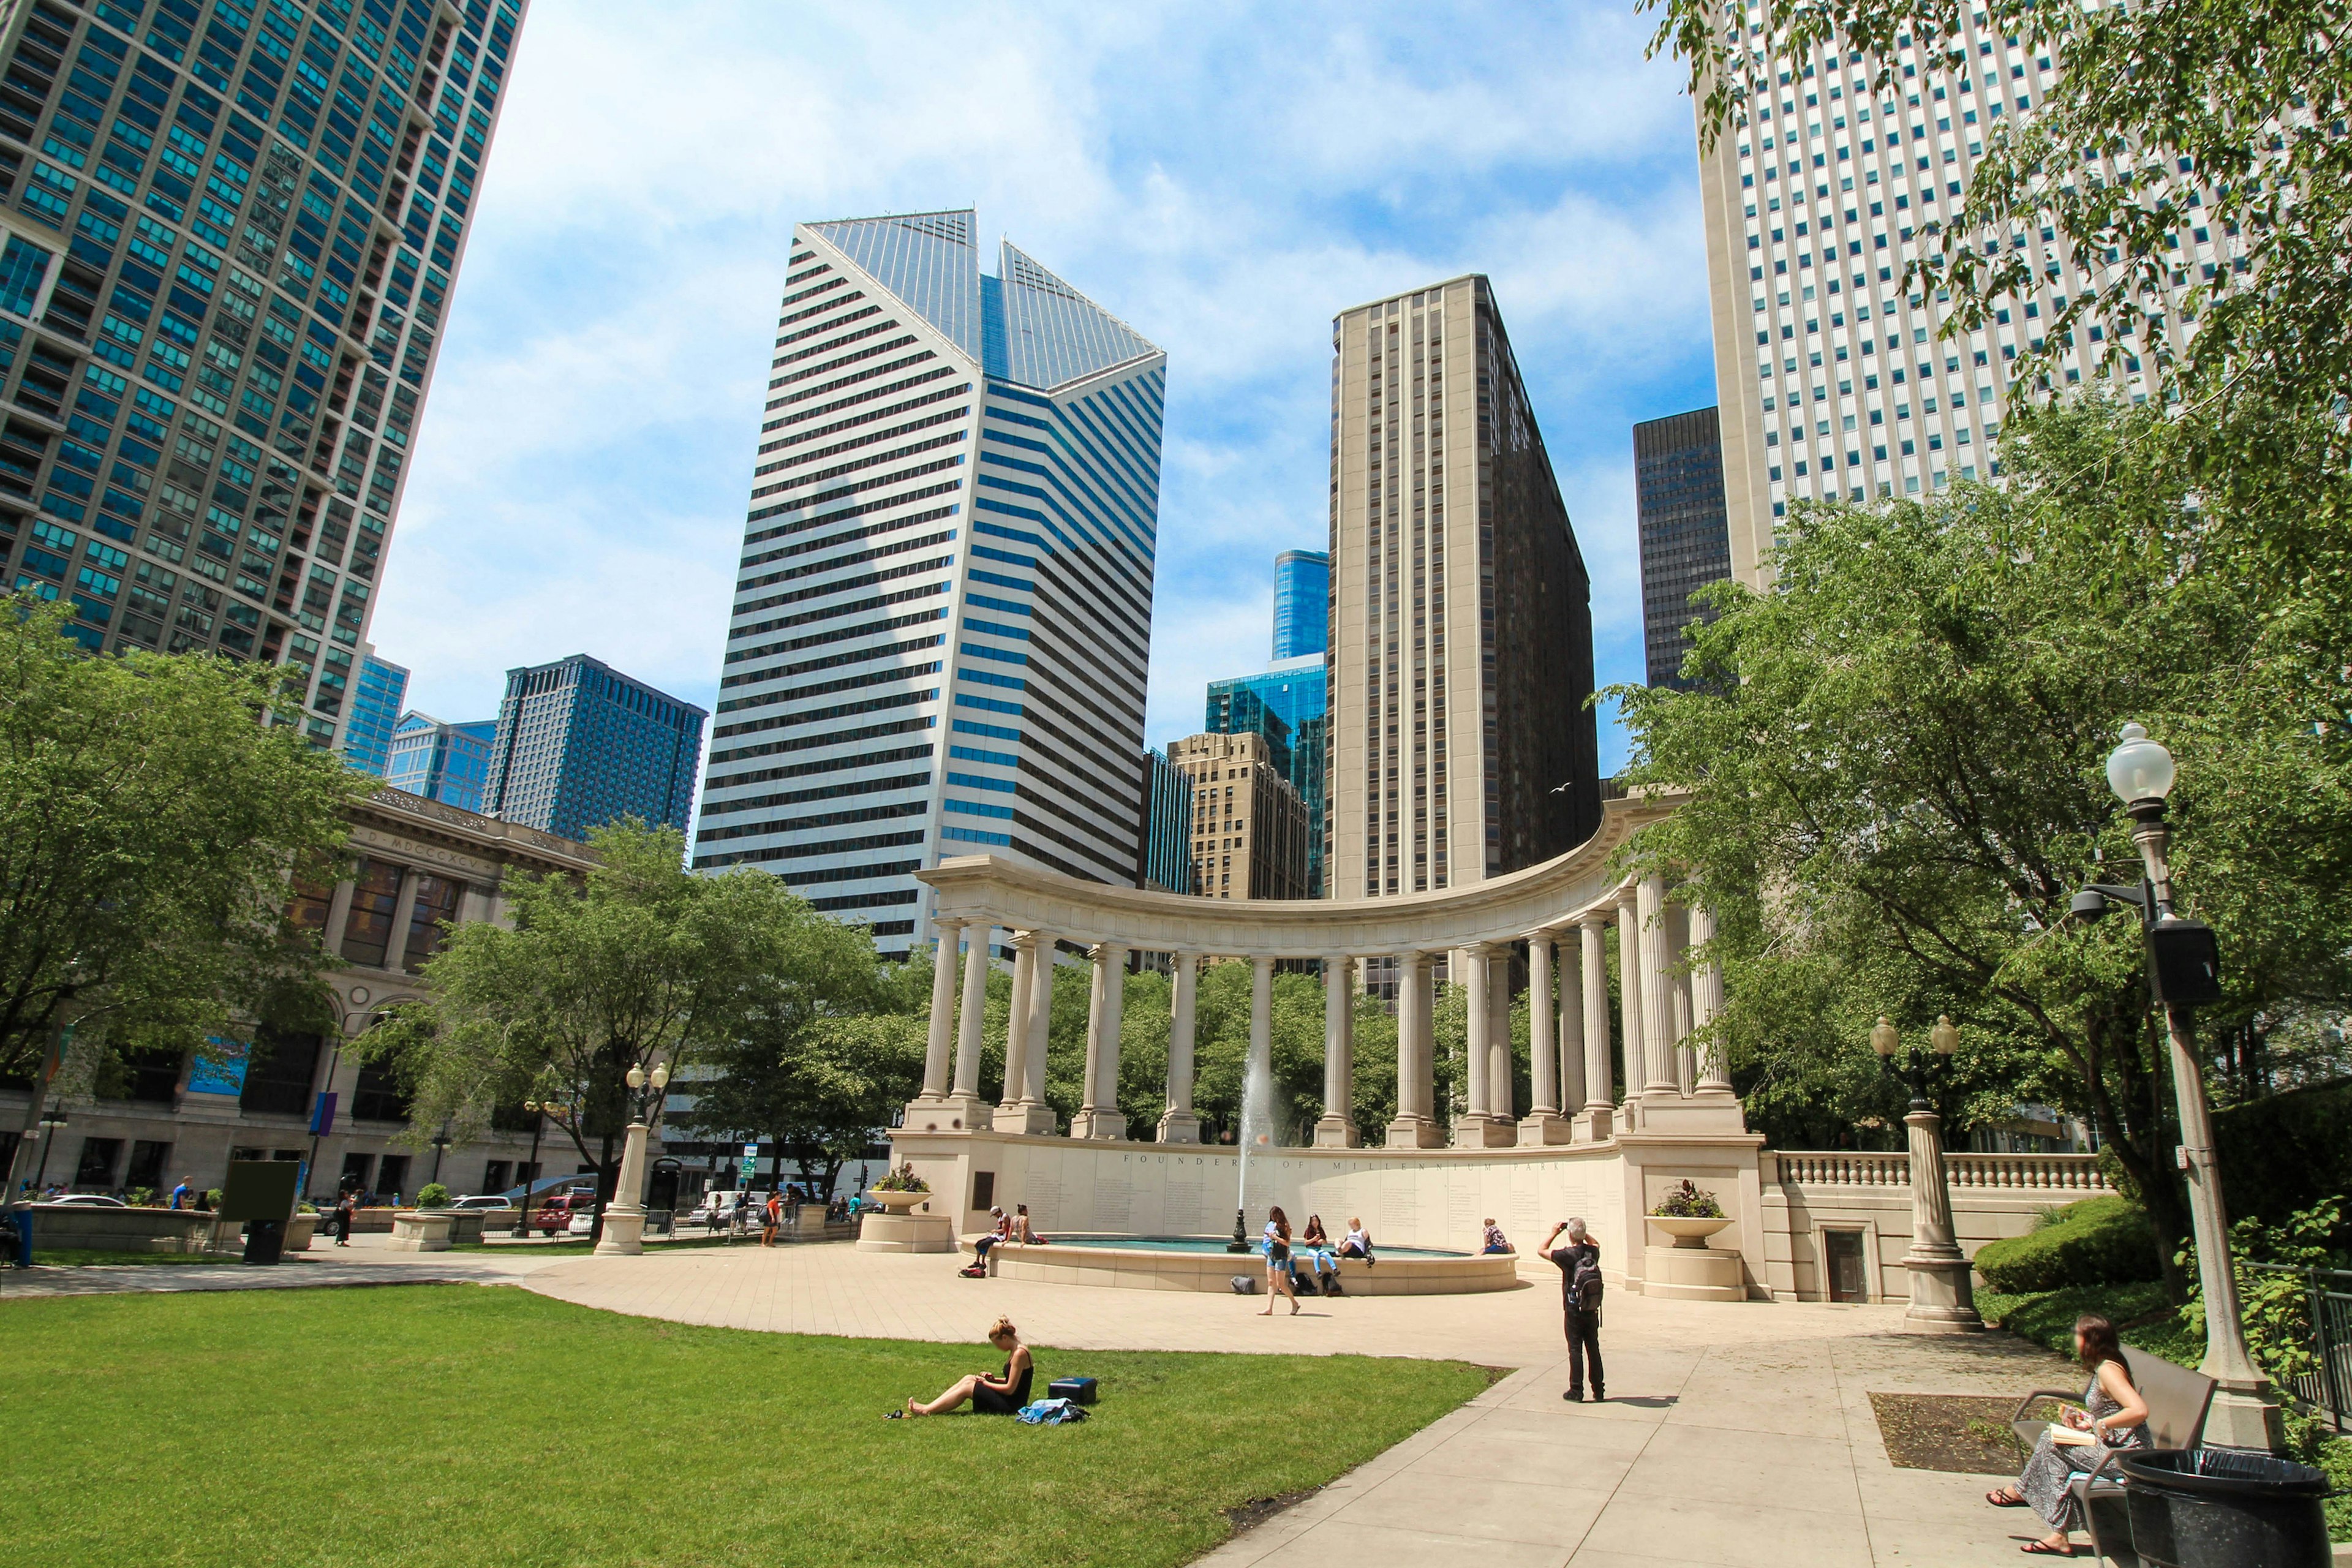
[(2101, 1241), (2285, 1152)]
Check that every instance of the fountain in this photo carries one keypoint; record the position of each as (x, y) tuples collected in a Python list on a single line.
[(1256, 1131)]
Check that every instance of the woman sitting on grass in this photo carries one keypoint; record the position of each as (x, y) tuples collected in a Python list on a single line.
[(2116, 1416), (1004, 1395)]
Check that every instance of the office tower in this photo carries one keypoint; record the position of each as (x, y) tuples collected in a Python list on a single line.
[(1462, 625), (231, 238), (944, 617), (579, 744), (1833, 380), (1287, 707), (376, 697), (1249, 824), (1164, 864), (1678, 499), (1302, 604), (447, 762)]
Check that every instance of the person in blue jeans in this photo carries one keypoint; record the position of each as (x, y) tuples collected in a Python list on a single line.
[(1315, 1250)]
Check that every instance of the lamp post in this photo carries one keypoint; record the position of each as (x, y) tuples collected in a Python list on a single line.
[(624, 1220), (53, 1122), (2184, 968), (537, 1125), (1943, 1296)]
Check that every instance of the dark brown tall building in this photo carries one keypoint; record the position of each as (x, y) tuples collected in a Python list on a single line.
[(1686, 545), (1461, 656)]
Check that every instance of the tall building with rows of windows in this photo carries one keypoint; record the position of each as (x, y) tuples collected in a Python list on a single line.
[(1302, 604), (578, 745), (231, 230), (1461, 651), (1289, 708), (376, 699), (943, 619), (447, 762), (1678, 508), (1832, 378)]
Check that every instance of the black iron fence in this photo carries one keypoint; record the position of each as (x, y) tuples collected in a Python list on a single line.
[(2326, 1382)]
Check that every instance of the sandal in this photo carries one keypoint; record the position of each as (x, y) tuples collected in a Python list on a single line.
[(2007, 1496), (2043, 1548)]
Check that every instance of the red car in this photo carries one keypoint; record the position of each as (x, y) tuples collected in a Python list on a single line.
[(558, 1212)]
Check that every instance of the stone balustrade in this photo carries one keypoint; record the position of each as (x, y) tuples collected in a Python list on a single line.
[(2074, 1173)]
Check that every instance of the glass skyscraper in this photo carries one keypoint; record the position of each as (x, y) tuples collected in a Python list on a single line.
[(1302, 604), (231, 230), (381, 687), (1288, 706), (1686, 544), (579, 744), (944, 614), (447, 762), (1164, 862)]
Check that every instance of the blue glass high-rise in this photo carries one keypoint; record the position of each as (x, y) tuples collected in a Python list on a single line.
[(1302, 604), (376, 697), (447, 762), (578, 745), (233, 228), (1289, 705)]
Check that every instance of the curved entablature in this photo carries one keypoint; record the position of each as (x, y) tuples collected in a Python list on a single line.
[(1583, 883)]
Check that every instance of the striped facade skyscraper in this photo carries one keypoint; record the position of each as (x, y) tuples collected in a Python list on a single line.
[(229, 234), (943, 619)]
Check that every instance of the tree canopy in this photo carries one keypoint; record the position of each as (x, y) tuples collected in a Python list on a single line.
[(150, 815)]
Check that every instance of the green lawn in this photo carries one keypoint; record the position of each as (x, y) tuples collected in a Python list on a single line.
[(82, 1256), (449, 1425)]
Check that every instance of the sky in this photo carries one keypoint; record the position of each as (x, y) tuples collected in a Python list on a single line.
[(1224, 177)]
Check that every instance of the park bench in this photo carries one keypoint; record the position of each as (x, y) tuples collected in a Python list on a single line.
[(2177, 1400)]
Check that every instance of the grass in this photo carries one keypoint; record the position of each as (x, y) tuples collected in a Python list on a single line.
[(462, 1424), (83, 1256)]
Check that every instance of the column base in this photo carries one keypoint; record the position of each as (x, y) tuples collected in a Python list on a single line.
[(1713, 1111), (1476, 1129), (624, 1232), (1034, 1117), (1545, 1127), (1179, 1127), (1099, 1124), (949, 1113), (1943, 1299), (1594, 1124), (2243, 1418), (1415, 1133), (1336, 1133)]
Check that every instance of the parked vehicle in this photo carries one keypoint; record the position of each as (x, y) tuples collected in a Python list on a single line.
[(90, 1201), (484, 1201), (716, 1207), (573, 1211)]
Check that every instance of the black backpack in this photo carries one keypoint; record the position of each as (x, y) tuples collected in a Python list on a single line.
[(1584, 1284)]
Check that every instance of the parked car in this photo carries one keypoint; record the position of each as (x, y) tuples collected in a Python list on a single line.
[(716, 1207), (484, 1201), (90, 1201), (566, 1212)]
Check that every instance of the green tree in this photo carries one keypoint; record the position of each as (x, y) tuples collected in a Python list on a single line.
[(151, 808), (637, 963), (1898, 787)]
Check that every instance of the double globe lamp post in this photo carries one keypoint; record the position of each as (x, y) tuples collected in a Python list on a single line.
[(624, 1218), (2184, 970), (1943, 1298)]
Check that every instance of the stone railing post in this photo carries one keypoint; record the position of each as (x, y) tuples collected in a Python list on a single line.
[(1177, 1123), (1335, 1129)]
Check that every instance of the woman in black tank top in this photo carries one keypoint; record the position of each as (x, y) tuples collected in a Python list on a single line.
[(1000, 1395)]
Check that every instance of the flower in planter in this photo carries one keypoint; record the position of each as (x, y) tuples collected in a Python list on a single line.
[(1685, 1201), (903, 1180)]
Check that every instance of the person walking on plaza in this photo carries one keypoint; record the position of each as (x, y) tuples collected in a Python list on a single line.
[(1580, 1289), (771, 1215), (1277, 1262), (2114, 1416), (345, 1207)]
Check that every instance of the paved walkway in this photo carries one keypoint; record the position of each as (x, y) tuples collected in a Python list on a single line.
[(1734, 1434), (367, 1261)]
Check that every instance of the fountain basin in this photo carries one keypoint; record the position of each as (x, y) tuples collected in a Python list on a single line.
[(1202, 1263)]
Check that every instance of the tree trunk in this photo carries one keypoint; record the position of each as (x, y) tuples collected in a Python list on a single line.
[(608, 1182)]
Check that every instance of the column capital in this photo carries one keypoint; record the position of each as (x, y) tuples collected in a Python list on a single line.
[(1592, 920), (1105, 948)]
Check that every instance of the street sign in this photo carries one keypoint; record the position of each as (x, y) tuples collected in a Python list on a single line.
[(751, 1158)]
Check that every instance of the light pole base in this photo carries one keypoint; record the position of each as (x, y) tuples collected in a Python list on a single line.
[(2243, 1418), (624, 1232), (1943, 1300)]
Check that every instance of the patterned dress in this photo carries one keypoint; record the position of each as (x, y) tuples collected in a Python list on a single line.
[(2046, 1477)]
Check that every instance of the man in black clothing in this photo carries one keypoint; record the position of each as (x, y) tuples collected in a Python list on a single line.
[(1580, 1289)]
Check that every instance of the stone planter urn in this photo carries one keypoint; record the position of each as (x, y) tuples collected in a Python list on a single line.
[(897, 1203), (893, 1225), (1689, 1231), (299, 1232), (421, 1230)]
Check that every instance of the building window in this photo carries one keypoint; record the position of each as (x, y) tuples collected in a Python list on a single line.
[(375, 893), (98, 1157), (437, 899)]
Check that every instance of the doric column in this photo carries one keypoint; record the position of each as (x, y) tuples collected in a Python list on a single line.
[(1707, 1005), (1016, 1028), (1543, 1041), (1024, 1108), (1337, 1127), (973, 1014), (1041, 1020), (1632, 1037), (1098, 1114), (1471, 974), (1178, 1124), (1414, 1127), (1657, 1002), (1599, 1109), (942, 1019), (1677, 927), (1499, 1098), (403, 910), (339, 912)]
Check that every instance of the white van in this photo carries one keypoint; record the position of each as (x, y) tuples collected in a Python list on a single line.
[(716, 1206)]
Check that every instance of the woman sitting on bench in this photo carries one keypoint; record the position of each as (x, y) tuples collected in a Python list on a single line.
[(2114, 1415), (1002, 1395)]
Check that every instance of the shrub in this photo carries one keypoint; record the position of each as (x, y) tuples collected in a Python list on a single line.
[(2101, 1241), (1687, 1201), (2283, 1154), (433, 1195)]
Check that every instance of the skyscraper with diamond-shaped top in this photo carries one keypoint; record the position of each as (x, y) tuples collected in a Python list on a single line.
[(943, 617)]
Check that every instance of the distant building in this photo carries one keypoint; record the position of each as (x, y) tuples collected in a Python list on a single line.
[(1302, 604), (1249, 824), (1166, 863), (447, 762), (1287, 705), (579, 744), (1686, 542), (381, 687)]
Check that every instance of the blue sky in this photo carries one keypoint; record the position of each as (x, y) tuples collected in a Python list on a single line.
[(1224, 177)]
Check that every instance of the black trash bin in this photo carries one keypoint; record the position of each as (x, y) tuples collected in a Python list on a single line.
[(2219, 1508)]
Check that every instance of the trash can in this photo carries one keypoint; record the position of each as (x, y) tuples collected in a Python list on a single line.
[(21, 1217), (2220, 1508)]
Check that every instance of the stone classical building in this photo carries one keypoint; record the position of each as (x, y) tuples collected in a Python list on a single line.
[(1249, 823), (416, 862)]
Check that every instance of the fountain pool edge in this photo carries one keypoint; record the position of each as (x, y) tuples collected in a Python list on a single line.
[(1138, 1268)]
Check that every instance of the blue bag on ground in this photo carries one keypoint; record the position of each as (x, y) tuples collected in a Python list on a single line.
[(1051, 1413)]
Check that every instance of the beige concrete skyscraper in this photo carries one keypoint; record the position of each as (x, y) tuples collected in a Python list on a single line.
[(1461, 646)]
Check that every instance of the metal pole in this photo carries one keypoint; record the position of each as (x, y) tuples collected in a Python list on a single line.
[(522, 1212)]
